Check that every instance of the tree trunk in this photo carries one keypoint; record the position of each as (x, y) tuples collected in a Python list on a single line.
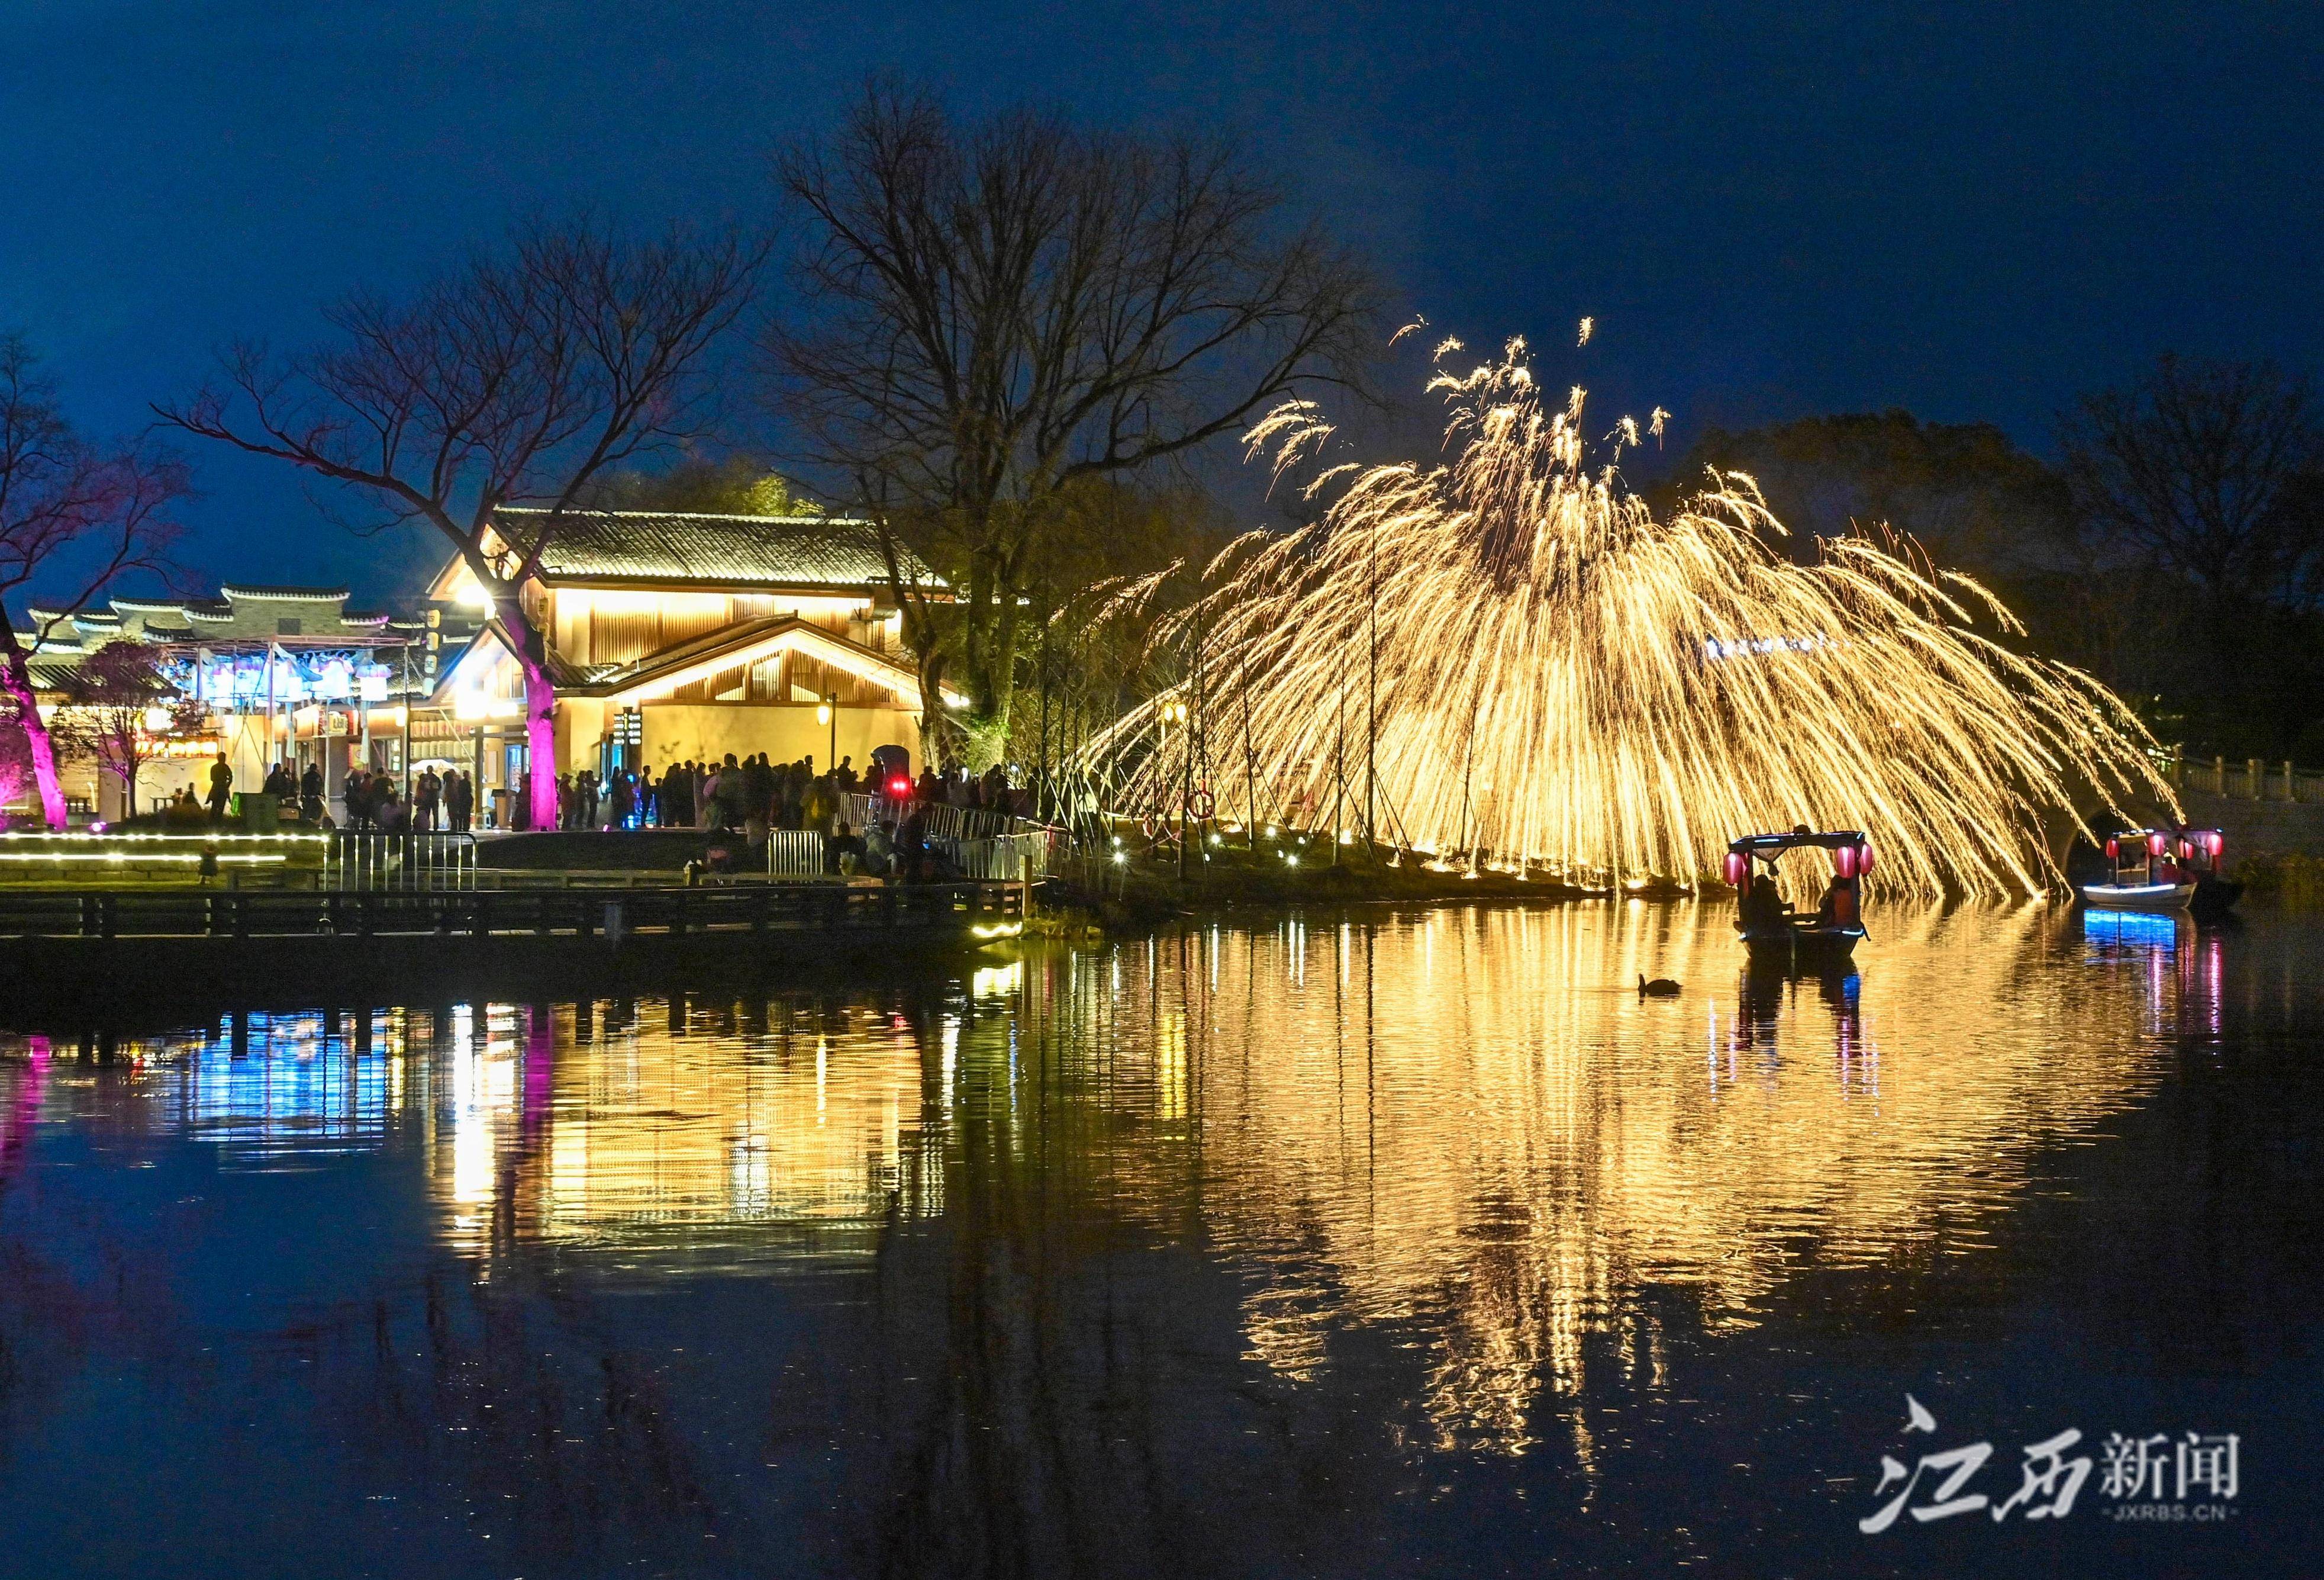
[(43, 751), (541, 739)]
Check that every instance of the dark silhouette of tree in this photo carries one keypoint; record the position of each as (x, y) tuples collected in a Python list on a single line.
[(110, 698), (736, 485), (518, 377), (74, 517), (991, 314), (2208, 470)]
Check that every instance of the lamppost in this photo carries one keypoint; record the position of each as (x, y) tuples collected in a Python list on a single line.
[(1176, 713), (826, 712)]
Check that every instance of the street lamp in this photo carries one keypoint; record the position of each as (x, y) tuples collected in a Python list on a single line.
[(826, 712)]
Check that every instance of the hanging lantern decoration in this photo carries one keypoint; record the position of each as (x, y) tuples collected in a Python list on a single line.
[(2218, 842), (2157, 843), (1864, 856), (1843, 861), (2113, 849), (2186, 850), (1738, 869)]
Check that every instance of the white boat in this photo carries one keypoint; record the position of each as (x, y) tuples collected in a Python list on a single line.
[(2139, 896)]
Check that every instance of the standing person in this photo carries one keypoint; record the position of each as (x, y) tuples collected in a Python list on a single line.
[(356, 795), (705, 802), (844, 775), (625, 799), (427, 794), (648, 797), (311, 795), (569, 802), (459, 799), (520, 803), (221, 787), (590, 795)]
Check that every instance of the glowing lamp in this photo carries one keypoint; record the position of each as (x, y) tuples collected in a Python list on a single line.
[(1864, 856), (822, 713), (2216, 840), (899, 788), (2113, 849), (2157, 843), (157, 721), (2186, 850), (1843, 861), (1737, 869)]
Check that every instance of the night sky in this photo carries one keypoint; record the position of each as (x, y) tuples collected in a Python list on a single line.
[(1971, 212)]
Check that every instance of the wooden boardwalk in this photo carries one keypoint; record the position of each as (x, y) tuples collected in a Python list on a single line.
[(605, 912)]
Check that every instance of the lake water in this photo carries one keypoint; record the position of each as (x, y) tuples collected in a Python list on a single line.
[(1408, 1244)]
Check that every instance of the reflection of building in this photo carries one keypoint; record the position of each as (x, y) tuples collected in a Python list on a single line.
[(280, 674), (687, 636)]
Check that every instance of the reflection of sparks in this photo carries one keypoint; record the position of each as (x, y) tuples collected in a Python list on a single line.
[(996, 981), (1564, 680)]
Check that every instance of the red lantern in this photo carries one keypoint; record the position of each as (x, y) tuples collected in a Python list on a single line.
[(1864, 857), (1843, 861), (2157, 843), (2218, 842), (1738, 869), (2114, 850), (2186, 850)]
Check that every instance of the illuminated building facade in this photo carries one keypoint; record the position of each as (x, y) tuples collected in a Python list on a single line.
[(677, 637)]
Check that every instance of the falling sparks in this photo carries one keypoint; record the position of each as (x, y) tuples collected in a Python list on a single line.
[(1588, 326), (1507, 662)]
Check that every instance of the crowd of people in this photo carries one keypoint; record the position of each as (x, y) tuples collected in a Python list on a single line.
[(750, 796)]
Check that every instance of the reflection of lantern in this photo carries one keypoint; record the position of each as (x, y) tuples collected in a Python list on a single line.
[(2157, 843), (2113, 849), (1843, 861), (1738, 869)]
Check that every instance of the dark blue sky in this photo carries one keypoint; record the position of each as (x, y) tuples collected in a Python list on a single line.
[(1968, 212)]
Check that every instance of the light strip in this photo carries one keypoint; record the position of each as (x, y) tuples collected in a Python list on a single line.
[(825, 648), (122, 855)]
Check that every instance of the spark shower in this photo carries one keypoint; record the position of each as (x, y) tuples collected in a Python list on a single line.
[(1507, 659)]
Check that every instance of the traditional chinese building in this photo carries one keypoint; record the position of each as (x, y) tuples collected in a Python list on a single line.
[(278, 674), (681, 636)]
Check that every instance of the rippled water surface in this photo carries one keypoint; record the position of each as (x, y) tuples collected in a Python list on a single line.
[(1410, 1243)]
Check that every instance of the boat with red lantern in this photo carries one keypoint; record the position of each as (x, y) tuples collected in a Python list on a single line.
[(2165, 869), (1776, 935), (2146, 873)]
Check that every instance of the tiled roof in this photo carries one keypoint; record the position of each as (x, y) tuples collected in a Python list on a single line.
[(716, 551)]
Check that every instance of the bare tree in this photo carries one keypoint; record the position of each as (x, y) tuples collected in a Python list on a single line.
[(2206, 470), (518, 377), (73, 518), (109, 699), (992, 313)]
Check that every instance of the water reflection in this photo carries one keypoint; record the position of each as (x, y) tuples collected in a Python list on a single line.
[(1447, 1173)]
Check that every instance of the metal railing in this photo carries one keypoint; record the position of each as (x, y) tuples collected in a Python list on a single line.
[(795, 853), (1011, 858), (353, 862), (2251, 780)]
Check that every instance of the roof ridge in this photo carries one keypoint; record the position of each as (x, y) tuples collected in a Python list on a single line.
[(691, 516)]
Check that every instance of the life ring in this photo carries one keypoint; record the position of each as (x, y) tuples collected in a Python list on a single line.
[(1201, 803), (1152, 826)]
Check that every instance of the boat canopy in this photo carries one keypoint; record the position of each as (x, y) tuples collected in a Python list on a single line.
[(1776, 845)]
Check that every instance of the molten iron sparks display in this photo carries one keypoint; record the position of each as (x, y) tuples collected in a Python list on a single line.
[(1508, 661)]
